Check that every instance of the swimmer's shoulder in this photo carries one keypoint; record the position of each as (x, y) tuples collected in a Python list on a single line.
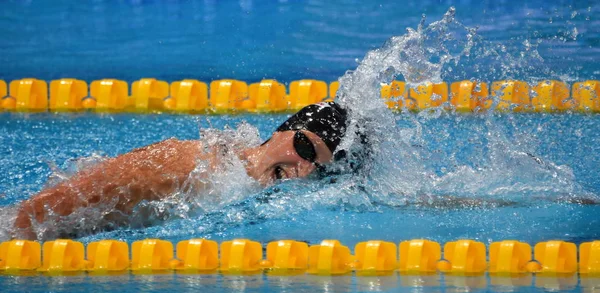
[(172, 143), (169, 149)]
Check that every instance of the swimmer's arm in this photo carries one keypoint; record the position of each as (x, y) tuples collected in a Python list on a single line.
[(149, 173)]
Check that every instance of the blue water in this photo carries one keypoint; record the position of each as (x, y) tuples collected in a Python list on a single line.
[(29, 143), (250, 40), (487, 188), (305, 283)]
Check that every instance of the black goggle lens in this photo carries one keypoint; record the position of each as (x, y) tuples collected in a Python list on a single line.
[(304, 147)]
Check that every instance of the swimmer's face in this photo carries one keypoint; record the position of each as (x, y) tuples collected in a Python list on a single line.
[(278, 159)]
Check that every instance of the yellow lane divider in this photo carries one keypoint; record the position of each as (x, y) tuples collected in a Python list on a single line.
[(107, 95), (468, 95), (289, 257), (285, 257), (188, 95), (67, 94), (27, 95), (333, 88), (586, 94), (266, 96), (149, 95), (227, 94), (197, 254), (306, 92), (419, 256), (3, 92), (62, 255)]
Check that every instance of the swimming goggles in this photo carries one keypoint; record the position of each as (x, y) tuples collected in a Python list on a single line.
[(304, 147)]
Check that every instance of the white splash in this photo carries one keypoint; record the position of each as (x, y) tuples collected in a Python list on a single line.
[(404, 158), (206, 190)]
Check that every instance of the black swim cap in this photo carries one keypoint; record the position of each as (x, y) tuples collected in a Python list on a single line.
[(327, 120)]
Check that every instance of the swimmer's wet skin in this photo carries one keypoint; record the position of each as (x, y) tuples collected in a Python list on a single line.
[(306, 140)]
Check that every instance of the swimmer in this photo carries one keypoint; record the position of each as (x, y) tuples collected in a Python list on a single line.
[(301, 145)]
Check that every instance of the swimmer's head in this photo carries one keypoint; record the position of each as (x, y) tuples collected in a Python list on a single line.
[(327, 120), (307, 140)]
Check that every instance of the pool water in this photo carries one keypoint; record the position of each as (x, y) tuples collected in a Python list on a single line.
[(528, 210), (303, 283), (286, 40), (436, 174)]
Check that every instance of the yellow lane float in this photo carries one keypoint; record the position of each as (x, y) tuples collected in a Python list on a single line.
[(329, 258), (511, 95), (4, 95), (290, 257), (509, 257), (286, 257), (305, 92), (107, 256), (463, 257), (30, 95), (419, 256), (108, 95), (467, 96), (67, 94), (20, 255), (586, 95), (556, 257), (148, 95), (151, 255), (589, 258), (375, 257), (550, 96), (188, 96), (266, 96), (333, 88), (241, 256), (429, 95), (197, 255), (227, 94), (395, 95), (62, 256)]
